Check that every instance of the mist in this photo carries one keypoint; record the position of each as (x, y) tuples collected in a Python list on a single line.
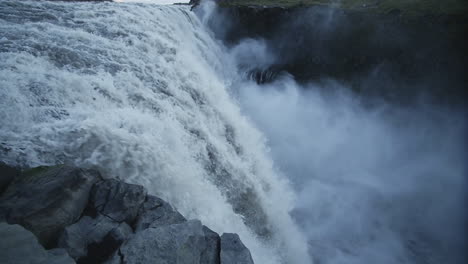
[(374, 185), (376, 181)]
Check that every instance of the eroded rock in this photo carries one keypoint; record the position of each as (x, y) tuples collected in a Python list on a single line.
[(211, 253), (76, 238), (155, 212), (117, 200), (50, 201), (47, 199), (178, 243), (18, 245), (233, 251), (7, 174)]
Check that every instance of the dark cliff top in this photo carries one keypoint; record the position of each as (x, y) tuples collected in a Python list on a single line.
[(405, 7)]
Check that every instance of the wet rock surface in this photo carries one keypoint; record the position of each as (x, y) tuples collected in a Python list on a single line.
[(86, 219), (233, 251), (7, 175), (117, 200), (19, 245), (155, 212), (177, 243), (46, 200)]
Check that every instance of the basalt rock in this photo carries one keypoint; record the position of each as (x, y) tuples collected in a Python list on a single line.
[(396, 54), (155, 212), (47, 199), (178, 243), (7, 174), (92, 233), (213, 245), (18, 245), (233, 251), (90, 220), (117, 200)]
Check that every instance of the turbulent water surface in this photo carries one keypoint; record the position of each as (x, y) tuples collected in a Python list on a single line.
[(145, 93), (138, 92)]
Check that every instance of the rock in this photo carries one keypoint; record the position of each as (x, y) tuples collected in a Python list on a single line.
[(178, 243), (233, 250), (18, 245), (117, 200), (194, 3), (211, 253), (94, 239), (58, 256), (155, 212), (76, 238), (45, 200), (7, 173), (121, 233), (102, 250), (50, 200)]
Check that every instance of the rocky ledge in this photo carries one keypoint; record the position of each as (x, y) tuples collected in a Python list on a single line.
[(64, 214)]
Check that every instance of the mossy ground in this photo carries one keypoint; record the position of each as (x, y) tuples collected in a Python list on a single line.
[(406, 7)]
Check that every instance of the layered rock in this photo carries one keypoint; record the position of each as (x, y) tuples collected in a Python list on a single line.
[(88, 219)]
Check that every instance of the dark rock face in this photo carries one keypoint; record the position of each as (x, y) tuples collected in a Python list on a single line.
[(233, 250), (46, 200), (155, 212), (18, 245), (94, 233), (7, 174), (211, 253), (58, 256), (117, 200), (51, 202), (194, 3), (375, 54), (177, 243)]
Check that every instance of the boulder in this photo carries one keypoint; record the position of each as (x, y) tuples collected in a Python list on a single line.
[(178, 243), (99, 252), (211, 253), (117, 200), (18, 245), (58, 256), (88, 219), (233, 251), (7, 174), (45, 200), (77, 237), (155, 213)]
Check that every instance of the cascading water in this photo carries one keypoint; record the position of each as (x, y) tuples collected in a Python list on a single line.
[(137, 91)]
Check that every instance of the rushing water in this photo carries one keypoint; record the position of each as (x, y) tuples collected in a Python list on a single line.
[(145, 93), (139, 92)]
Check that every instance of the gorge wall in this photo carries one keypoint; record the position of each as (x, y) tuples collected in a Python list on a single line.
[(395, 54)]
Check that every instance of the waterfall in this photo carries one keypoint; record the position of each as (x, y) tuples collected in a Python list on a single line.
[(140, 92)]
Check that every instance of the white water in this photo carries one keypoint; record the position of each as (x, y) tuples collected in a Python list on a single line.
[(138, 91)]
